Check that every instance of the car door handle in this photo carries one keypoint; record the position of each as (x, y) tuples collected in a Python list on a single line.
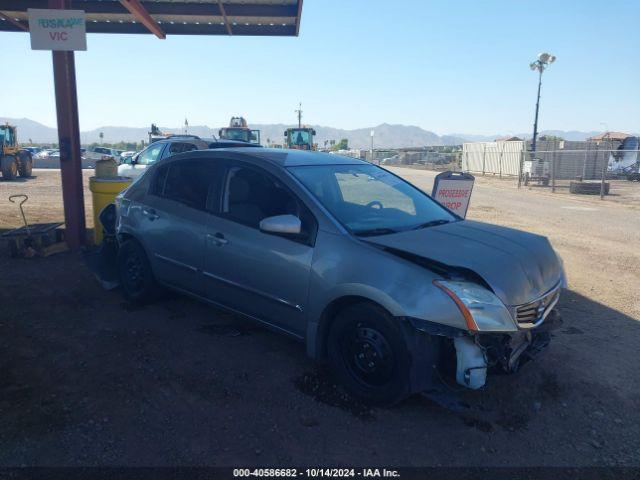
[(218, 239), (150, 213)]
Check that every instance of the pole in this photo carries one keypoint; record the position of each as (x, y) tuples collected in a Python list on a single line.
[(605, 164), (484, 153), (520, 162), (371, 148), (535, 122), (64, 77)]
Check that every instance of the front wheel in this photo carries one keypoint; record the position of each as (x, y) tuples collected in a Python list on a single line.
[(26, 165), (368, 355), (9, 167), (136, 277)]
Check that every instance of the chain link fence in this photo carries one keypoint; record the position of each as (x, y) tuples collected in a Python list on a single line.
[(448, 159), (585, 172)]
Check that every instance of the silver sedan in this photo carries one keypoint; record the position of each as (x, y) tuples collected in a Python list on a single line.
[(395, 292)]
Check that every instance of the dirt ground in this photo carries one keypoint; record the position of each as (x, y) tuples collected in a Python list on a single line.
[(87, 380)]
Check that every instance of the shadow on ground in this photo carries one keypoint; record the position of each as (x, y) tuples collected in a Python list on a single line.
[(87, 380)]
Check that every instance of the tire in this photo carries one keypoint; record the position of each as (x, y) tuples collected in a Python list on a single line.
[(368, 355), (9, 167), (136, 277), (588, 188), (26, 165)]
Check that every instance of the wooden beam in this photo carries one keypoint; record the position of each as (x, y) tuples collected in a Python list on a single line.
[(14, 22), (298, 17), (226, 19), (142, 15)]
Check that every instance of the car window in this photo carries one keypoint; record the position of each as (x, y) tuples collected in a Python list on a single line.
[(188, 182), (251, 196), (150, 155), (159, 177), (181, 147)]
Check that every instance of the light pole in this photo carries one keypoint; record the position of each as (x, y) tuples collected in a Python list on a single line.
[(544, 60)]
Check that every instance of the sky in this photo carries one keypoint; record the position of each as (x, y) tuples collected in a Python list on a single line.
[(446, 66)]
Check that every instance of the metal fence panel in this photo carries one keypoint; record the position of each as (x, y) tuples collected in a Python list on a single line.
[(497, 158)]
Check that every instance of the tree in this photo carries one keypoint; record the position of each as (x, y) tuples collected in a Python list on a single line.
[(343, 144), (550, 138)]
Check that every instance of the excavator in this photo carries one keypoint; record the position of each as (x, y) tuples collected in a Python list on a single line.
[(239, 130), (13, 159), (300, 137)]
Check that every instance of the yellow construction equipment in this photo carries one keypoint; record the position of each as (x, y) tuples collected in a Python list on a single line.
[(13, 159), (300, 138), (239, 130)]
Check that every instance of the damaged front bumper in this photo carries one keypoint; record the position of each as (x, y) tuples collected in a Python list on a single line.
[(508, 352), (473, 355)]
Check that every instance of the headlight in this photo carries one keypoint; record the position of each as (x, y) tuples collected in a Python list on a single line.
[(481, 309)]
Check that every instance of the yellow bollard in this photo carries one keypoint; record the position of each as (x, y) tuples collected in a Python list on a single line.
[(104, 192)]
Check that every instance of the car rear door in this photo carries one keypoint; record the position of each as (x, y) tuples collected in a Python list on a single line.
[(175, 219), (262, 275)]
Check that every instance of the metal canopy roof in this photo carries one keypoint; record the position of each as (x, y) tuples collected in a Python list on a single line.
[(171, 17)]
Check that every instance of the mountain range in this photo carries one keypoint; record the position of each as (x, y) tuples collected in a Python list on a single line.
[(385, 135)]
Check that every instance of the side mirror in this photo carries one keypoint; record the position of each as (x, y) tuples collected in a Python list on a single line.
[(313, 132), (282, 224), (285, 133)]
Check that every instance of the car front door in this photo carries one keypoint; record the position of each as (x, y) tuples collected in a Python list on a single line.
[(175, 217), (262, 275)]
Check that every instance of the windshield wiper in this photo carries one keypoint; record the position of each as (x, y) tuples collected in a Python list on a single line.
[(431, 223), (374, 231)]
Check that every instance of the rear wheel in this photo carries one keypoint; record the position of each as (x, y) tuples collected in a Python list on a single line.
[(136, 277), (9, 167), (26, 165), (368, 355)]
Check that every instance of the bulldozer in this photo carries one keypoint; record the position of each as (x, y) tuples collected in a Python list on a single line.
[(13, 159)]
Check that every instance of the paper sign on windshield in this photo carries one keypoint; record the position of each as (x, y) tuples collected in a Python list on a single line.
[(453, 190), (53, 29)]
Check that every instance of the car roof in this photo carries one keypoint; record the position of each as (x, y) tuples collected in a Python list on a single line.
[(223, 142), (281, 157)]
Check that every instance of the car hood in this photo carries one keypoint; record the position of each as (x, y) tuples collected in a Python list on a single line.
[(518, 266)]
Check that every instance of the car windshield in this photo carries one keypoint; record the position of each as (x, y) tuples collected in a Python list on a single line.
[(369, 200)]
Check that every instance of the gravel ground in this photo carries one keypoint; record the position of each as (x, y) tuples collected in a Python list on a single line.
[(87, 380)]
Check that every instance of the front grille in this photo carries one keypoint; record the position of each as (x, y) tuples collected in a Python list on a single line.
[(531, 314)]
